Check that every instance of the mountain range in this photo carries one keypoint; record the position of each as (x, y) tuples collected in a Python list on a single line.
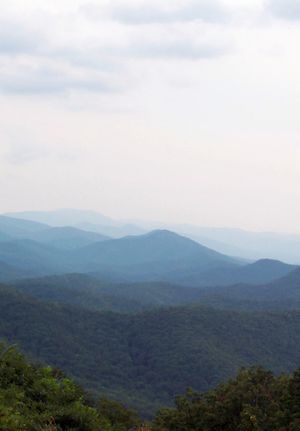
[(34, 249), (145, 314), (231, 241)]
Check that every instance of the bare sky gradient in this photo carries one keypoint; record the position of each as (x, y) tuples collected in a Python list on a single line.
[(181, 111)]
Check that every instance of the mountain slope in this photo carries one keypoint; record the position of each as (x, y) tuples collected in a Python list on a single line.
[(82, 291), (17, 228), (283, 293), (148, 358), (10, 272), (85, 220), (34, 257), (63, 217), (88, 292), (154, 254), (246, 244), (262, 271), (67, 237)]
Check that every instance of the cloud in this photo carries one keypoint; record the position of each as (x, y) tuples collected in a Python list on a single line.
[(202, 10), (16, 39), (52, 76), (20, 153), (177, 49), (82, 56), (284, 9)]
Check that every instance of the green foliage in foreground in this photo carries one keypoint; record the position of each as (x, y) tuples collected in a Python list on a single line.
[(254, 401), (36, 398)]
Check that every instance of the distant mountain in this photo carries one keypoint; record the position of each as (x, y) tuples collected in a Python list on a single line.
[(113, 231), (262, 271), (246, 244), (88, 292), (10, 272), (83, 291), (82, 219), (63, 217), (17, 228), (67, 237), (93, 294), (159, 255), (280, 294), (36, 258), (147, 358)]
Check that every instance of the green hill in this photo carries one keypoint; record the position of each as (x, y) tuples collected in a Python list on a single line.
[(147, 358)]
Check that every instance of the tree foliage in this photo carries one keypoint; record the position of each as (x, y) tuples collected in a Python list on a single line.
[(35, 398)]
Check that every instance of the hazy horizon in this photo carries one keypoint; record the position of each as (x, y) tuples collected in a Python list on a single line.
[(176, 112), (149, 223)]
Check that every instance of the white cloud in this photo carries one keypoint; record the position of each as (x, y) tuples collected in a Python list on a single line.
[(284, 9), (150, 12)]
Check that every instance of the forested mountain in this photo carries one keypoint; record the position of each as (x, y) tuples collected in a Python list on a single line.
[(35, 397), (147, 358), (91, 293), (262, 271), (87, 292), (9, 272), (283, 293)]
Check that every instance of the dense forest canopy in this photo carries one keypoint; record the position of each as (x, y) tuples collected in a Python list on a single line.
[(42, 398)]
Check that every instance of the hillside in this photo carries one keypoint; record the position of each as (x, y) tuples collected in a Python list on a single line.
[(92, 221), (262, 271), (283, 293), (10, 272), (159, 255), (17, 228), (147, 358), (86, 292), (31, 256), (66, 237)]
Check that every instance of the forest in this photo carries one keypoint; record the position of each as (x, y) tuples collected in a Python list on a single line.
[(42, 398)]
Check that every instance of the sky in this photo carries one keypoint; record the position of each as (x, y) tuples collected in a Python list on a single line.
[(177, 110)]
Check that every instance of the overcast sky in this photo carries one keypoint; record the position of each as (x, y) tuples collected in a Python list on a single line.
[(173, 110)]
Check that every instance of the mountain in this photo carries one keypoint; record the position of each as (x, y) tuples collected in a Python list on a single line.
[(262, 271), (91, 221), (10, 272), (147, 358), (17, 228), (246, 244), (31, 256), (83, 291), (93, 294), (66, 237), (113, 231), (280, 294), (63, 217), (159, 255)]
